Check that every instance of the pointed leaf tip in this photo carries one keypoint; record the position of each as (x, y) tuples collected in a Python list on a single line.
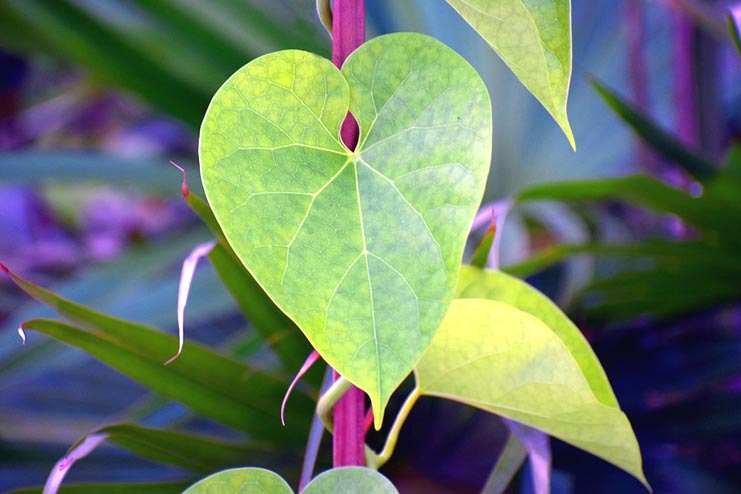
[(184, 186), (310, 360), (4, 268), (186, 279)]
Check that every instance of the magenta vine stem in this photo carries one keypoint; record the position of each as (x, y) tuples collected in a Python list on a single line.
[(348, 33)]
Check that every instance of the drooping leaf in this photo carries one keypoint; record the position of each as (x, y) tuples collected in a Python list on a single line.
[(188, 451), (477, 283), (361, 249), (693, 162), (533, 38), (116, 341), (124, 488), (346, 480), (510, 363)]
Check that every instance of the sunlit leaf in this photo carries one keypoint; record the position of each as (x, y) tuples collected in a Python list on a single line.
[(510, 363), (534, 39), (361, 249), (498, 286)]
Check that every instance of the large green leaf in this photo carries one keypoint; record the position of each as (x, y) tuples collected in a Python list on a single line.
[(533, 37), (495, 285), (347, 480), (206, 381), (510, 363), (361, 249)]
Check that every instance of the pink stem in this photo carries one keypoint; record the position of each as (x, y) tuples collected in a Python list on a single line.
[(638, 74), (348, 33)]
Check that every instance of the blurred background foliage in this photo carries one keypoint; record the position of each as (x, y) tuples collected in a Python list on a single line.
[(96, 96)]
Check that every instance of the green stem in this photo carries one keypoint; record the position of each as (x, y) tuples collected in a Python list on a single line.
[(329, 400), (378, 460)]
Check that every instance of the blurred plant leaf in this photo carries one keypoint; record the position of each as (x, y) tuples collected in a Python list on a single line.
[(172, 54), (131, 488), (510, 461), (510, 363), (534, 39), (475, 283), (240, 403), (641, 191), (734, 21), (139, 351), (75, 167), (481, 254), (694, 163), (188, 451)]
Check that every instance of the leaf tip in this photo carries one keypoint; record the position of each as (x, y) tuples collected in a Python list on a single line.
[(184, 186), (313, 356), (4, 269), (377, 411)]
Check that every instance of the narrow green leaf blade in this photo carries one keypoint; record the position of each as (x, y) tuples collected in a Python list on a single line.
[(639, 190), (242, 481), (123, 488), (350, 480), (533, 37), (273, 326), (188, 451), (509, 363), (693, 162), (197, 365), (238, 407), (477, 283), (361, 249), (481, 254), (510, 460)]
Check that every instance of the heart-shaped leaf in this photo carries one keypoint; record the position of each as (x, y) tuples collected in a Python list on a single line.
[(360, 248), (533, 37), (347, 480), (510, 363)]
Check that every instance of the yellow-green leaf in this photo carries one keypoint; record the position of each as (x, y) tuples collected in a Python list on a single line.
[(360, 248), (533, 37), (495, 357)]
